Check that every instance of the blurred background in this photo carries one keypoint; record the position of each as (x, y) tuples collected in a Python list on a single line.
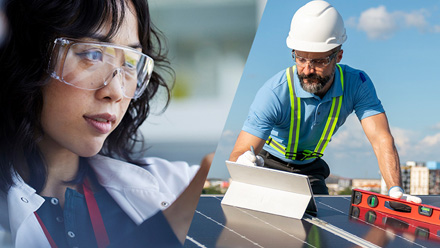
[(208, 43)]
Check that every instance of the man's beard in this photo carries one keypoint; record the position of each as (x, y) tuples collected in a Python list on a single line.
[(314, 87)]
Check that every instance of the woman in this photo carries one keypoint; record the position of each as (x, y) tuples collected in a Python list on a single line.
[(77, 80)]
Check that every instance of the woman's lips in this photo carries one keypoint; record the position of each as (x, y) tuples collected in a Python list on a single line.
[(102, 123)]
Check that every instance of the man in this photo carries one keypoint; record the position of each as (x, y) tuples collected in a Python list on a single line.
[(296, 112)]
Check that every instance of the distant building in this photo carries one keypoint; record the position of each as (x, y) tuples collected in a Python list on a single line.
[(333, 188), (414, 163), (367, 184), (406, 177), (335, 184), (419, 178), (383, 187), (406, 173), (410, 163), (338, 184), (345, 183), (434, 182), (419, 181)]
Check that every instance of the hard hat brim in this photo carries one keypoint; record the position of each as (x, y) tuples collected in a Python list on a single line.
[(308, 46)]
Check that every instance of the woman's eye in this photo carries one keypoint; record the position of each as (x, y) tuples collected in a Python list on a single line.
[(130, 68), (130, 63), (91, 55)]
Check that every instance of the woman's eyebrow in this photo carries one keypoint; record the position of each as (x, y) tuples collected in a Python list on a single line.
[(104, 38), (100, 38), (136, 45)]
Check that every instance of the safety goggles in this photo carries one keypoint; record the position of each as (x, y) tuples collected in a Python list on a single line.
[(314, 63), (93, 65)]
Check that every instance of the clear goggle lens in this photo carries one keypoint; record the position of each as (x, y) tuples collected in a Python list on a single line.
[(314, 63), (93, 65)]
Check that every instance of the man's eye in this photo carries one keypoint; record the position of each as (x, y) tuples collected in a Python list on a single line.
[(320, 61), (301, 60)]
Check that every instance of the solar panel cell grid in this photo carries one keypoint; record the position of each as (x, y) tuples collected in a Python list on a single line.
[(216, 225)]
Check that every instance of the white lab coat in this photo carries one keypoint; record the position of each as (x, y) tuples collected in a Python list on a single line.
[(139, 191)]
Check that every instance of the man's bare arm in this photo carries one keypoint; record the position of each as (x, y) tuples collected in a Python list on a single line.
[(378, 133), (244, 141)]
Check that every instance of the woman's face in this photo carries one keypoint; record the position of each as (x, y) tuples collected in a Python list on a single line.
[(77, 120)]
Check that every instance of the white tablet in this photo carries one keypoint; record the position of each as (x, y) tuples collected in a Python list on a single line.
[(268, 190)]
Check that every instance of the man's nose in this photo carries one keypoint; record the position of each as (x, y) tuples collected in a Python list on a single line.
[(309, 67)]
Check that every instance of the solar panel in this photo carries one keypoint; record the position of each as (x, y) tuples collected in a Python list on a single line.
[(216, 225)]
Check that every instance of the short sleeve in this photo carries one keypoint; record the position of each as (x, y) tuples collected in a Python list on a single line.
[(266, 109), (366, 102)]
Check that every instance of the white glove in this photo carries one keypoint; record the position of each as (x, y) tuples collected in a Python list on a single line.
[(398, 193), (248, 158)]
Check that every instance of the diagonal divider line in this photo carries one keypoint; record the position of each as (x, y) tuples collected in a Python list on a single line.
[(229, 229)]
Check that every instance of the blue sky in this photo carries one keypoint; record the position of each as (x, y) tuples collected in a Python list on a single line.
[(395, 42)]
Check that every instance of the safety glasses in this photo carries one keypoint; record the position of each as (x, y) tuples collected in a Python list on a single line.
[(314, 63), (93, 65)]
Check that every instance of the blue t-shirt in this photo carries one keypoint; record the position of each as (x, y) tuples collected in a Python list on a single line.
[(269, 114)]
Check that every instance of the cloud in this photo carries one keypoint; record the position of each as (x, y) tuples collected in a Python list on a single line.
[(350, 141), (350, 135), (379, 24), (403, 139), (415, 19), (431, 141), (436, 126), (350, 154), (351, 22)]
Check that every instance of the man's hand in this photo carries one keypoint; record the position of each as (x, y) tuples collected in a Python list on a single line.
[(398, 193), (249, 158), (244, 142)]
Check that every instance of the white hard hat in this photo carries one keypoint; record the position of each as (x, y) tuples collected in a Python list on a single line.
[(316, 27)]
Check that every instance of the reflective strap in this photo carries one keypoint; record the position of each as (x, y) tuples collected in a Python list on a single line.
[(295, 106), (277, 146), (295, 102), (332, 119)]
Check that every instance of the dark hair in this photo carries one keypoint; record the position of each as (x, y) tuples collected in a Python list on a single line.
[(34, 25)]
